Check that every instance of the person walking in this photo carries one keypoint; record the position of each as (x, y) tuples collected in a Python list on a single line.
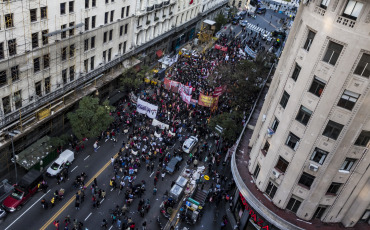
[(95, 146), (95, 182), (163, 174), (77, 205), (52, 201), (155, 190), (56, 224), (143, 225), (104, 224), (155, 181)]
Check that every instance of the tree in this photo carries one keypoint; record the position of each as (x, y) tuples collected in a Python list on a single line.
[(231, 124), (57, 142), (220, 20), (131, 80), (90, 118)]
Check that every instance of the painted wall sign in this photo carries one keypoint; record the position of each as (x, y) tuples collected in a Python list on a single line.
[(252, 214)]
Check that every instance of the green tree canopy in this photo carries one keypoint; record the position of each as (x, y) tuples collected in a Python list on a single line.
[(90, 118), (231, 124), (131, 80), (220, 20)]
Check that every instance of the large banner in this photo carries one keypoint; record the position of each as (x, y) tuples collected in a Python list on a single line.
[(146, 108), (161, 125), (185, 97), (205, 101), (250, 52), (219, 90), (187, 89), (222, 48)]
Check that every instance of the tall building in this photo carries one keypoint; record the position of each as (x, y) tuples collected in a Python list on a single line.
[(53, 53), (308, 165)]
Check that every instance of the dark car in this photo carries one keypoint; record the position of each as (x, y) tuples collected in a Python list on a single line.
[(236, 20), (261, 11)]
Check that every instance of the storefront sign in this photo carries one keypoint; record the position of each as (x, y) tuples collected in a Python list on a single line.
[(252, 214)]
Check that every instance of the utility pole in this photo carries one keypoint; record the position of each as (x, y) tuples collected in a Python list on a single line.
[(13, 134)]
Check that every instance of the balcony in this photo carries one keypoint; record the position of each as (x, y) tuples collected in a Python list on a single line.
[(346, 21), (166, 3), (170, 13), (319, 10), (158, 6), (156, 19), (150, 8)]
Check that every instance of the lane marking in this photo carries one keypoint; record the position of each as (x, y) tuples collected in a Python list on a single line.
[(54, 217), (151, 174), (88, 216), (102, 200), (111, 227), (74, 168), (27, 210), (86, 157)]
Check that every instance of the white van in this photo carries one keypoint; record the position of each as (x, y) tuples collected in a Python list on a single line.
[(57, 166), (189, 144)]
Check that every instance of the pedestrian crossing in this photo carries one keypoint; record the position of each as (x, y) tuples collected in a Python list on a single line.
[(257, 29)]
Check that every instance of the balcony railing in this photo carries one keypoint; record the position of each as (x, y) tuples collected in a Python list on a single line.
[(346, 21), (158, 6), (319, 10), (150, 8), (166, 3)]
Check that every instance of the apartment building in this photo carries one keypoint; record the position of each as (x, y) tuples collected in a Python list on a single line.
[(308, 165), (52, 53)]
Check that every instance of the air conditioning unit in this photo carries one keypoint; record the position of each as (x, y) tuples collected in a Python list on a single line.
[(275, 173), (314, 167), (263, 117)]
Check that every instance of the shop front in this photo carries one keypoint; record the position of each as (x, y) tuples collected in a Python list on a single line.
[(247, 217)]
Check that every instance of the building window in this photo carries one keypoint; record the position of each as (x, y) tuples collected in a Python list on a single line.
[(126, 28), (306, 180), (297, 70), (64, 53), (353, 9), (124, 47), (72, 50), (93, 22), (86, 4), (284, 99), (47, 85), (86, 45), (92, 62), (119, 48), (92, 42), (38, 88), (44, 12), (36, 65), (332, 130), (127, 11), (71, 6), (3, 78), (62, 8), (110, 54), (14, 71), (365, 217), (324, 4), (319, 212), (293, 205), (64, 76), (347, 164), (17, 97), (104, 56), (87, 23), (348, 100), (363, 66), (46, 61), (271, 190), (6, 105), (2, 50), (93, 3), (112, 16), (72, 29), (303, 115), (35, 40), (256, 171), (12, 45), (282, 165), (33, 15), (123, 12), (275, 124), (72, 73), (105, 37), (292, 141), (363, 139), (106, 17), (45, 39), (86, 65), (317, 86), (64, 33), (9, 23), (319, 156), (266, 147), (333, 188), (120, 30), (332, 53), (110, 35), (309, 40)]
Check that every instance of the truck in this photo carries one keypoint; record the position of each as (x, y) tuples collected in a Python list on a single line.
[(23, 191)]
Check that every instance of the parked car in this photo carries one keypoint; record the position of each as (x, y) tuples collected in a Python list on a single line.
[(189, 144), (261, 10), (244, 23), (242, 14), (23, 191), (67, 156), (2, 215)]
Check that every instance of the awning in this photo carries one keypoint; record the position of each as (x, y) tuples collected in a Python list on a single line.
[(159, 53), (34, 153)]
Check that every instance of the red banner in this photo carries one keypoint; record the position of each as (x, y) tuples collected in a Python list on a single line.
[(222, 48), (219, 90)]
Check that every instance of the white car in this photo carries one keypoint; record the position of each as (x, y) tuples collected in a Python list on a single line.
[(189, 144), (57, 166)]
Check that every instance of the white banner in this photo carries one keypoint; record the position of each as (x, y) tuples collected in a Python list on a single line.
[(185, 97), (146, 108), (161, 125), (187, 89)]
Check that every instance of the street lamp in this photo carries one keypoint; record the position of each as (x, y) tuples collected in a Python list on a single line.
[(13, 134)]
